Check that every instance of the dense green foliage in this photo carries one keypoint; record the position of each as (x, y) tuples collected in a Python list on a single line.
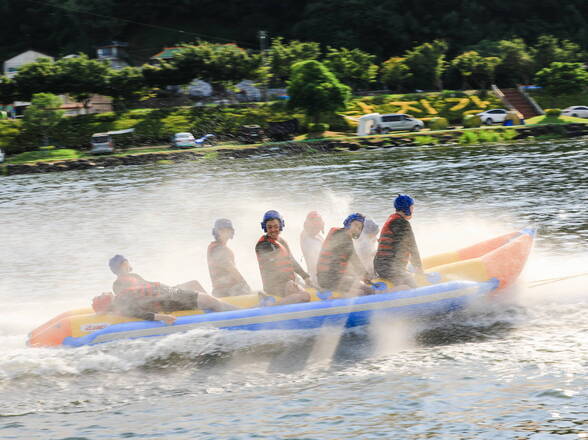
[(42, 115), (315, 90), (385, 28), (561, 78)]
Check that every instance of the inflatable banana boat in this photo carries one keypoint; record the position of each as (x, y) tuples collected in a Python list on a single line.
[(483, 269)]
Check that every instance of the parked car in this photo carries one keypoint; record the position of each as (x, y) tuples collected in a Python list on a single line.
[(208, 140), (101, 143), (577, 111), (375, 123), (494, 116), (183, 140)]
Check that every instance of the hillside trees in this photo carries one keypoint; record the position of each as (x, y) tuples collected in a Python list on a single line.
[(352, 67), (427, 64), (315, 90), (561, 78), (42, 115), (283, 55)]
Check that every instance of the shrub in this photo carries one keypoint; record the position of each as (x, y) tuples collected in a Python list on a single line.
[(9, 131), (426, 140), (438, 123), (318, 128), (553, 112), (469, 137), (471, 121), (489, 136)]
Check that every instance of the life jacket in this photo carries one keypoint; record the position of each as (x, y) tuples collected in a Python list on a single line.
[(136, 286), (217, 269), (333, 260), (102, 303), (394, 248), (276, 270)]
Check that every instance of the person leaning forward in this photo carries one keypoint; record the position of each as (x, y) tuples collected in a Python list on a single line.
[(136, 297), (226, 278), (397, 246), (339, 268), (276, 264)]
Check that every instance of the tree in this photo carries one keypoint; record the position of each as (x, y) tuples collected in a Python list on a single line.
[(7, 90), (352, 67), (427, 64), (40, 76), (516, 63), (282, 56), (395, 74), (42, 115), (81, 77), (550, 49), (561, 78), (475, 70), (125, 84), (220, 64), (316, 90)]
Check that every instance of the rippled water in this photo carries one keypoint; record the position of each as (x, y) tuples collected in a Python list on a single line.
[(515, 370)]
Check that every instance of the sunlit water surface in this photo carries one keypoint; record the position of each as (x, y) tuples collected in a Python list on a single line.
[(515, 370)]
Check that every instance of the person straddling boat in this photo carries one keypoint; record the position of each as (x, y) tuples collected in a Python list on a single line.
[(397, 246), (226, 278), (277, 266), (367, 243), (311, 241), (138, 298), (339, 267)]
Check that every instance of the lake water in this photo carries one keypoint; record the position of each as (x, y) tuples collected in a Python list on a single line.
[(513, 371)]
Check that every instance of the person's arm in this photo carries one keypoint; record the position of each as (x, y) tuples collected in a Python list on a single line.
[(415, 257), (297, 267)]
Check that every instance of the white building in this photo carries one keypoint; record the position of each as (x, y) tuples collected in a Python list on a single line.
[(12, 65)]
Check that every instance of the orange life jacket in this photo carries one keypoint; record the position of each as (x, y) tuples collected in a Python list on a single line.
[(333, 261), (282, 261)]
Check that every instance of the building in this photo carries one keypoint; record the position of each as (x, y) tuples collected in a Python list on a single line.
[(12, 65), (115, 53)]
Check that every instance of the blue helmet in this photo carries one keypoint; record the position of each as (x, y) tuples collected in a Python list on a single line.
[(403, 203), (370, 227), (115, 262), (356, 216), (272, 215), (222, 223)]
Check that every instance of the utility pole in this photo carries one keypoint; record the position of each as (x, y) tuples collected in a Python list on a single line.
[(262, 35)]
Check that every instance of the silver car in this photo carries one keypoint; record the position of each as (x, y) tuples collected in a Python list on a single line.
[(577, 111)]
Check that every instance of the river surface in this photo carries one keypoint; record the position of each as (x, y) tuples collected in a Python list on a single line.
[(512, 371)]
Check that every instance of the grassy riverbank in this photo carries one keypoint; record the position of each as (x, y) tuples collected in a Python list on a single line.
[(464, 136)]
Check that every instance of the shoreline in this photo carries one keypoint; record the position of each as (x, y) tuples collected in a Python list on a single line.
[(321, 145)]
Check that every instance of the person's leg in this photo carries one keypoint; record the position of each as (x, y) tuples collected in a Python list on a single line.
[(206, 301), (293, 294), (193, 285)]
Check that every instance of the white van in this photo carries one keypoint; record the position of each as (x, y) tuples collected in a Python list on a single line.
[(375, 123), (101, 143)]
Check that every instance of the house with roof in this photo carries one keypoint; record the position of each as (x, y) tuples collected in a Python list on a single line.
[(12, 65), (115, 53)]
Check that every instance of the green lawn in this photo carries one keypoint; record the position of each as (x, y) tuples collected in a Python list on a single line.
[(544, 119), (44, 154)]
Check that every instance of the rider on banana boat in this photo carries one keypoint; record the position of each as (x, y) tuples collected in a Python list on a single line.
[(226, 278), (138, 298), (339, 268), (367, 243), (397, 246), (311, 241), (277, 266)]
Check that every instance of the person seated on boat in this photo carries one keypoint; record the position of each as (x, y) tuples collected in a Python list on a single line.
[(397, 245), (277, 266), (137, 298), (339, 268), (367, 243), (226, 278), (311, 240)]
